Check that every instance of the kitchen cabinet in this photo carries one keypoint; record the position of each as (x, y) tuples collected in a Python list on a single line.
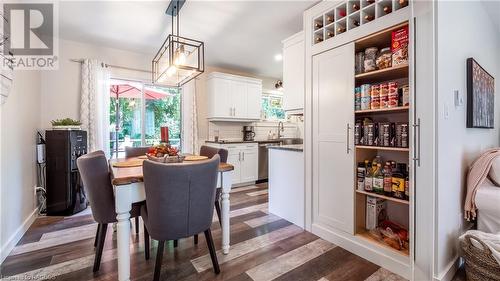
[(233, 98), (245, 159), (333, 196), (293, 73)]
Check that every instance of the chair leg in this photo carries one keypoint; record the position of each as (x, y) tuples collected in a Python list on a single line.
[(217, 209), (96, 235), (159, 258), (136, 225), (176, 243), (146, 242), (100, 245), (196, 239), (211, 248)]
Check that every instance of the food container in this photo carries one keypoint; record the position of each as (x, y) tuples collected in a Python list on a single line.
[(359, 62), (360, 174), (405, 95), (399, 46), (358, 132), (384, 96), (370, 134), (392, 95), (375, 97), (401, 134), (365, 97), (384, 134), (384, 59), (357, 98), (375, 211), (370, 62)]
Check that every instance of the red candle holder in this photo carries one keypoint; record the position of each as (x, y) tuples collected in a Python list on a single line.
[(164, 134)]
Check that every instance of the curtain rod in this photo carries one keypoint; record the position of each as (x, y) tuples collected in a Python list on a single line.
[(115, 66)]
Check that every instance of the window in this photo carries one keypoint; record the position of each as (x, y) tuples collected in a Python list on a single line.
[(137, 113), (272, 107)]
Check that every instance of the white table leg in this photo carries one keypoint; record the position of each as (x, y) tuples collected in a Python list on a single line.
[(123, 205), (226, 188)]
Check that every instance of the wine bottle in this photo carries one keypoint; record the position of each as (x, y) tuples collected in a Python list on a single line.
[(329, 34), (340, 29), (318, 39), (403, 3), (387, 9), (329, 18), (355, 23), (318, 25), (369, 17), (355, 7)]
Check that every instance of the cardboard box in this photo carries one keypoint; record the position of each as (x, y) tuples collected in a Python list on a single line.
[(399, 46)]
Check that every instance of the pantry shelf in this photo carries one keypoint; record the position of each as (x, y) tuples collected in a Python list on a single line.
[(406, 202), (387, 148), (390, 73), (383, 110), (367, 236)]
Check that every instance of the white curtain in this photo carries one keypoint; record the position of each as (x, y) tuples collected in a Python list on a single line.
[(189, 118), (94, 110)]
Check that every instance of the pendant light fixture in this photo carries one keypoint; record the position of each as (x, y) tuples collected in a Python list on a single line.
[(179, 59)]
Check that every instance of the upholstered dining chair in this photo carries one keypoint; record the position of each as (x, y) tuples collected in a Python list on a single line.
[(96, 179), (131, 151), (179, 204)]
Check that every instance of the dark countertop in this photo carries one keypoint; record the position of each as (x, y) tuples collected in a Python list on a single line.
[(290, 147)]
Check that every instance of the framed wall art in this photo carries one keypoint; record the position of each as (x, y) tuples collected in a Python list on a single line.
[(480, 96)]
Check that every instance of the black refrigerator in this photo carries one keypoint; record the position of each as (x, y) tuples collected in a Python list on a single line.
[(65, 192)]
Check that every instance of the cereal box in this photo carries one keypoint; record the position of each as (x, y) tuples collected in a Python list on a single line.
[(399, 46)]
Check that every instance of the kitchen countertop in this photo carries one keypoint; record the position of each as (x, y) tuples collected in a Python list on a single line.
[(291, 147), (242, 141)]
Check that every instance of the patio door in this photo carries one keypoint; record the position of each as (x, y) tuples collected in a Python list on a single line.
[(137, 113)]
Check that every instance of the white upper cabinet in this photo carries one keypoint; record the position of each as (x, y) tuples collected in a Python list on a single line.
[(293, 73), (233, 98)]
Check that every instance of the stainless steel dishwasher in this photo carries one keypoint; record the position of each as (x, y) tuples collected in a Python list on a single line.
[(264, 159)]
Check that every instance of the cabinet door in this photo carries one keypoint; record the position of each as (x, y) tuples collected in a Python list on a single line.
[(333, 159), (220, 98), (233, 158), (249, 165), (293, 76), (239, 99), (254, 95)]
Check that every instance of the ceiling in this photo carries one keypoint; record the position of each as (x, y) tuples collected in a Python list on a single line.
[(239, 35), (493, 9)]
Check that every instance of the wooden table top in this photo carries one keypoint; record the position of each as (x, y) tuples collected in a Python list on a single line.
[(128, 175)]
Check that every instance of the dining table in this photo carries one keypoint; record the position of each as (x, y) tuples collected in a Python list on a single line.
[(128, 186)]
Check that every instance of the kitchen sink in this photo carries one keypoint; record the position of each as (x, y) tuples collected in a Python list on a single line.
[(291, 141)]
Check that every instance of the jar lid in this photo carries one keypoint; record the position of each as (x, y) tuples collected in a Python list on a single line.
[(388, 49)]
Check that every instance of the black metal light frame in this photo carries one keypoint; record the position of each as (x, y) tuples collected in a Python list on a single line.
[(168, 48)]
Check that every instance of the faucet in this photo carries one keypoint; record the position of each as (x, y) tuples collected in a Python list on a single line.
[(281, 128)]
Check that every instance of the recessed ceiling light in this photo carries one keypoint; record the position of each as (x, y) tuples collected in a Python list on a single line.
[(278, 57)]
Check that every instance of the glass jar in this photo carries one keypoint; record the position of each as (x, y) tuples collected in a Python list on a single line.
[(384, 58), (370, 59)]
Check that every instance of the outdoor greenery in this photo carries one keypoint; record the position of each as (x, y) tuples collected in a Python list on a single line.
[(65, 122), (163, 112)]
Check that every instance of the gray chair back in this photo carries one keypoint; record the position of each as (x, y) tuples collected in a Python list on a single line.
[(136, 151), (179, 197), (94, 171), (211, 151)]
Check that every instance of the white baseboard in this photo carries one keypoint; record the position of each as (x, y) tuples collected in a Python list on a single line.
[(450, 271), (17, 235)]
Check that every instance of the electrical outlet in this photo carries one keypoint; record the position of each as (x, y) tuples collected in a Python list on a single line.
[(446, 110)]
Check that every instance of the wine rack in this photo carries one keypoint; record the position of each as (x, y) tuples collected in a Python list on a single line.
[(350, 15)]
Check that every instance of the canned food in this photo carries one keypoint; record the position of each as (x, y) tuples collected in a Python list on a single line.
[(384, 95), (365, 97), (375, 97), (393, 95), (357, 98)]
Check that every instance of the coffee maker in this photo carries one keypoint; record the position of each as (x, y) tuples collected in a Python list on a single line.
[(248, 133)]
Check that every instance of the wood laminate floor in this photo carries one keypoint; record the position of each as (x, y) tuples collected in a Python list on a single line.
[(263, 247)]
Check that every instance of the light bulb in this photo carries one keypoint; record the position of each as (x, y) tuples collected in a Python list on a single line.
[(171, 70), (180, 56)]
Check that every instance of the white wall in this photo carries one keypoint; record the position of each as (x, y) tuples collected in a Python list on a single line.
[(464, 30), (61, 88), (20, 119)]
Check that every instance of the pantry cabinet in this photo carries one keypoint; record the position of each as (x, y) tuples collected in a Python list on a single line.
[(293, 73), (233, 98), (333, 197), (245, 159)]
